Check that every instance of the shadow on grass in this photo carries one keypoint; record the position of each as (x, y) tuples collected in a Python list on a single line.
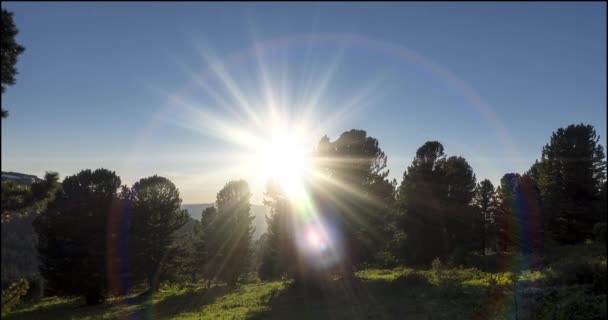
[(189, 300), (46, 309), (338, 299), (167, 305)]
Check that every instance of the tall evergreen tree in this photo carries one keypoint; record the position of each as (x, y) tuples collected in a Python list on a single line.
[(485, 199), (461, 218), (208, 244), (157, 215), (420, 202), (232, 230), (572, 170), (435, 200), (355, 193), (519, 224), (72, 234)]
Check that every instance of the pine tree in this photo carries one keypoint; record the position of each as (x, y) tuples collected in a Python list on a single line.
[(72, 234), (157, 215), (572, 170)]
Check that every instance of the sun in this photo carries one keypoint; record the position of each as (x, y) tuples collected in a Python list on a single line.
[(283, 157)]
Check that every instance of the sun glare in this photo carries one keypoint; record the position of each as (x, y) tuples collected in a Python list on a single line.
[(282, 158)]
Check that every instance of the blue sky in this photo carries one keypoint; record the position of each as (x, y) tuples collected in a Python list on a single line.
[(99, 83)]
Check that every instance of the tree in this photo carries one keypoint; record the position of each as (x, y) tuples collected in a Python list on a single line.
[(435, 204), (157, 215), (355, 194), (231, 231), (485, 199), (72, 234), (571, 172), (10, 52), (419, 203), (459, 190), (189, 244), (206, 245), (20, 200), (518, 214), (279, 249)]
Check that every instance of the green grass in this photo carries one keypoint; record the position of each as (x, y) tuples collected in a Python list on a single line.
[(553, 291)]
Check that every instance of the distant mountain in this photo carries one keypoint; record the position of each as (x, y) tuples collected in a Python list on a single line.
[(196, 209), (20, 178)]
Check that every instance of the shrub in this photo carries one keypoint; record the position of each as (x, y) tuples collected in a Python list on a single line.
[(590, 271), (437, 269), (12, 295)]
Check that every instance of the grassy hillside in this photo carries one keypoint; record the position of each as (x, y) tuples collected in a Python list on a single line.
[(571, 287)]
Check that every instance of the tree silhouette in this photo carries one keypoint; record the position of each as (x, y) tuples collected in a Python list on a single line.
[(156, 217), (485, 199), (419, 201), (434, 200), (72, 234), (206, 245), (355, 193), (571, 173), (10, 50)]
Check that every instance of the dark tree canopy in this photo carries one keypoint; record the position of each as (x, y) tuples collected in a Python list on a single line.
[(72, 234), (435, 204), (157, 215), (485, 199), (10, 52), (571, 173), (354, 192)]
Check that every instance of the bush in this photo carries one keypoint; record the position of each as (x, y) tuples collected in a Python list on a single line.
[(438, 269), (590, 271), (12, 295)]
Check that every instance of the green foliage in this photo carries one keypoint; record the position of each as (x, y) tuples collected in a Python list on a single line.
[(355, 194), (230, 232), (19, 199), (156, 218), (485, 199), (580, 271), (435, 205), (19, 254), (73, 232), (11, 50), (12, 295), (518, 207), (571, 173)]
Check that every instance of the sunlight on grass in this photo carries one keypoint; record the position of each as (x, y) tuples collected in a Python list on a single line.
[(246, 300)]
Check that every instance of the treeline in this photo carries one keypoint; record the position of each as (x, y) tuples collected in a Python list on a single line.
[(100, 238), (439, 210), (97, 237)]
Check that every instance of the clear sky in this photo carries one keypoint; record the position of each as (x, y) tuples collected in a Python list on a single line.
[(133, 87)]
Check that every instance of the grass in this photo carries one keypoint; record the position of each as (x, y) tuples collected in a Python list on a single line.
[(548, 292)]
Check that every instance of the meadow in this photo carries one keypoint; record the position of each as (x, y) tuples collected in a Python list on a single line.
[(567, 284)]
